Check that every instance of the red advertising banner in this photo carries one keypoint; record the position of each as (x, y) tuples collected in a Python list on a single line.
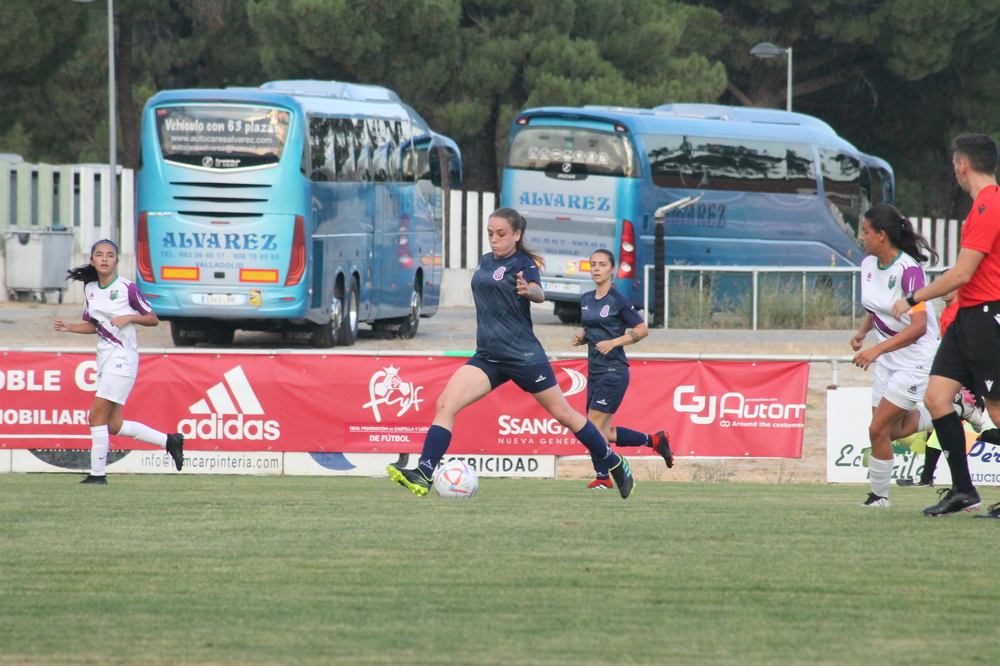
[(361, 404)]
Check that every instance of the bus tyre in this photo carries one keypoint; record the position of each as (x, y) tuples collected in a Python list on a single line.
[(408, 326), (568, 313), (185, 335), (347, 332)]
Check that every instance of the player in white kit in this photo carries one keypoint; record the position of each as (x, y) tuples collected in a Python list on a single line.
[(112, 308), (906, 346)]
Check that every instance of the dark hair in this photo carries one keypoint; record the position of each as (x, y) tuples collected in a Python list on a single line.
[(88, 272), (518, 223), (611, 256), (979, 149), (899, 230)]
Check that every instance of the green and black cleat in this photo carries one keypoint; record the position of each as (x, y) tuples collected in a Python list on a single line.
[(413, 479)]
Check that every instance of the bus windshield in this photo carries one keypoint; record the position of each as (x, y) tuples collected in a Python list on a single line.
[(222, 136), (587, 151)]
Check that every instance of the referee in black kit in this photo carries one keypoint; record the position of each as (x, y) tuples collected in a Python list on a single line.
[(969, 354)]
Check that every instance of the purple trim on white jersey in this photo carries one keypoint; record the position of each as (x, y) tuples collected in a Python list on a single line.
[(86, 312), (104, 333), (913, 279), (882, 327), (137, 300)]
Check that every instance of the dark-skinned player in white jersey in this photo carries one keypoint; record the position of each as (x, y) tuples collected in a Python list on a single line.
[(504, 286), (610, 322)]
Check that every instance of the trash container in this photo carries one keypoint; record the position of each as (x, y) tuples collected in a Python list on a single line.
[(37, 261)]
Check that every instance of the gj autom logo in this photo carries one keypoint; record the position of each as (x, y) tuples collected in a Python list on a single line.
[(386, 388), (734, 409), (228, 413)]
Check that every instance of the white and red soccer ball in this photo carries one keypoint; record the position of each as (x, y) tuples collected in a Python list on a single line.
[(456, 479)]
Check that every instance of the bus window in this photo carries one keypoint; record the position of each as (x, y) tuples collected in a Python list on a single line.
[(343, 134), (379, 133), (221, 136), (696, 163), (322, 167), (362, 151), (407, 155), (589, 151), (843, 186)]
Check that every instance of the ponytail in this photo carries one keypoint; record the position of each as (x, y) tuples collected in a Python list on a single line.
[(518, 223), (85, 274), (900, 232)]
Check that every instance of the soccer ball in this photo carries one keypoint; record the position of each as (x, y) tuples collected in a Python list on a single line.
[(456, 479)]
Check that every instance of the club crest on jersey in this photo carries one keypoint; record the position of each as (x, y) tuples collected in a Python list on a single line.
[(113, 295), (605, 310), (498, 273), (892, 282)]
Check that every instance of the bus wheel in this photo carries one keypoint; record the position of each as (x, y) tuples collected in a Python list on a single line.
[(568, 313), (408, 326), (347, 332), (185, 335)]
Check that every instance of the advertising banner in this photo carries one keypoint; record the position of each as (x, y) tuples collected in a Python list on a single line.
[(368, 404), (848, 415)]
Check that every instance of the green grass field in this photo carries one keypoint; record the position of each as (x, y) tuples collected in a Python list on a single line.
[(227, 570)]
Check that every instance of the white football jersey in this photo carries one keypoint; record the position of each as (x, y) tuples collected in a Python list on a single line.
[(117, 348), (880, 288)]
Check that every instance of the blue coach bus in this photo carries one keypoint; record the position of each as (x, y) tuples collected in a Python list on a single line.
[(778, 189), (301, 207)]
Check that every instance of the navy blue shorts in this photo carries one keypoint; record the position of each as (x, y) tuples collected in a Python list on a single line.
[(606, 391), (533, 378)]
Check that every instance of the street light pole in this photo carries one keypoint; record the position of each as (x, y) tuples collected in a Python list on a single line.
[(769, 50), (112, 124)]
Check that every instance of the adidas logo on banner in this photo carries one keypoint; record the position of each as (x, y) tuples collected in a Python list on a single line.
[(225, 412)]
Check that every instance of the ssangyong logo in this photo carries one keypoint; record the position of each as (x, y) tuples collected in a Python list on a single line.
[(386, 388), (225, 419)]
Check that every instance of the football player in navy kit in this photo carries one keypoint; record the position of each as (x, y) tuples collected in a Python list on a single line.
[(610, 322), (503, 287)]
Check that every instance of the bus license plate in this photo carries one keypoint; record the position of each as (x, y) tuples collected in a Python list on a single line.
[(219, 299), (561, 287)]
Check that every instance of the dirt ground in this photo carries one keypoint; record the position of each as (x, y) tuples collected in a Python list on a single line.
[(24, 325)]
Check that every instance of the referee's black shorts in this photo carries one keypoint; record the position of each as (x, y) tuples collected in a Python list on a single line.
[(970, 350)]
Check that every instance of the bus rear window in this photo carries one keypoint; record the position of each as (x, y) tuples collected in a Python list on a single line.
[(586, 151), (222, 136)]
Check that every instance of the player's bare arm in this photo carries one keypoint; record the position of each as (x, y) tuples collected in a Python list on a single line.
[(83, 327), (148, 319), (530, 290), (631, 336)]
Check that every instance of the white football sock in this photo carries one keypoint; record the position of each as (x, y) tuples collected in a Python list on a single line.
[(924, 424), (99, 450), (880, 472), (143, 433)]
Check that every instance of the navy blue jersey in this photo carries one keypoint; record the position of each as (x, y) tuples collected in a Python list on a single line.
[(503, 318), (606, 319)]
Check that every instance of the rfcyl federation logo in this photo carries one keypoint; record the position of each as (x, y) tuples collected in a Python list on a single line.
[(386, 388)]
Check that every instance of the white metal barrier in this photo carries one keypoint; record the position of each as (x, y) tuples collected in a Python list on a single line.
[(755, 272)]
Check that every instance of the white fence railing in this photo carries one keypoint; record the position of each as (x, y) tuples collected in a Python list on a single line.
[(84, 208), (74, 196)]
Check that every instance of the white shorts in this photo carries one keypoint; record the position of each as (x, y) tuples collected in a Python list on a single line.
[(901, 388), (114, 387)]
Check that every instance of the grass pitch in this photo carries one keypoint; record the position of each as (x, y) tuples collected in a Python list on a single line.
[(225, 570)]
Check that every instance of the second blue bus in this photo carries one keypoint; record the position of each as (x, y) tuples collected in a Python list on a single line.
[(777, 189)]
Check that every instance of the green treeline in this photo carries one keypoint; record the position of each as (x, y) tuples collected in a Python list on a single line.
[(898, 78)]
